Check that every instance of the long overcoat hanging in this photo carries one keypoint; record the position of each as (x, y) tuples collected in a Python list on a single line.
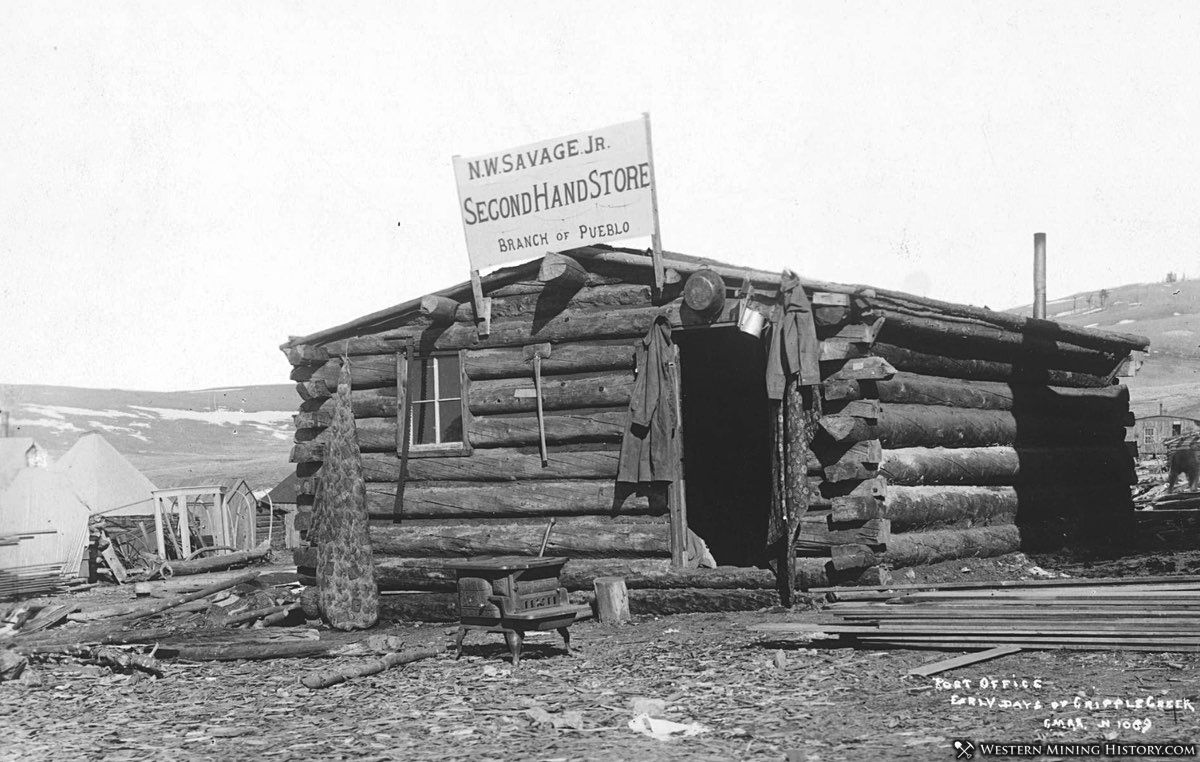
[(794, 345), (650, 447), (795, 353)]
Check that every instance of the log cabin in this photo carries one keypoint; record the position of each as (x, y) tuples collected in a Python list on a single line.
[(918, 431)]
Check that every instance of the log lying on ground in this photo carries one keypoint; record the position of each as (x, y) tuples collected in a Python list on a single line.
[(217, 563), (278, 649), (438, 575), (379, 434), (982, 342), (562, 497), (647, 602), (938, 426), (373, 667), (142, 611), (106, 634), (571, 537), (1006, 465), (918, 548), (912, 388), (911, 360)]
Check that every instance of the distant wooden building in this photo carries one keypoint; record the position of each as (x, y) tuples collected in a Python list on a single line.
[(1151, 431), (277, 513), (925, 430)]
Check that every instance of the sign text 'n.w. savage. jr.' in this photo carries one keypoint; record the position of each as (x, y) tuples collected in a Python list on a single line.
[(557, 194)]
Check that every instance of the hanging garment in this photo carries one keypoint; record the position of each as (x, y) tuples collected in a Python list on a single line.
[(794, 346), (650, 448)]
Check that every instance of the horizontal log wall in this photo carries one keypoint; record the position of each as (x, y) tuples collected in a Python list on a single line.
[(945, 426), (980, 436)]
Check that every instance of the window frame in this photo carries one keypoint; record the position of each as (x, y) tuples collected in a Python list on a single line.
[(412, 382)]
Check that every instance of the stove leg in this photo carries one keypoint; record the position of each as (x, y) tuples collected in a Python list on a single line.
[(566, 636), (514, 640), (458, 641)]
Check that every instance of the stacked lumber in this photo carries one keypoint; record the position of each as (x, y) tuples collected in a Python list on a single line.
[(1118, 614), (31, 579)]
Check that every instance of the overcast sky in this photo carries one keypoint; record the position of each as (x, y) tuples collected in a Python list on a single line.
[(183, 185)]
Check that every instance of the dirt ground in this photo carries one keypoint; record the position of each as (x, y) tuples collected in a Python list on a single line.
[(752, 697)]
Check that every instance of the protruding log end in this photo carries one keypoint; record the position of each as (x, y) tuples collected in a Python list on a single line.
[(562, 271), (439, 309)]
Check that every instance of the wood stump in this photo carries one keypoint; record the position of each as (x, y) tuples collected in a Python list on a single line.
[(612, 600)]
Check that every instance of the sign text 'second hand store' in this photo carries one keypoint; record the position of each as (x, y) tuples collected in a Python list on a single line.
[(557, 194)]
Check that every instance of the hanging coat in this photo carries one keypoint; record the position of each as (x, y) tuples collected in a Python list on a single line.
[(650, 448), (794, 356), (794, 346)]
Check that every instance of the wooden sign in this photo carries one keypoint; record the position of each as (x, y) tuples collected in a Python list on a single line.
[(558, 194)]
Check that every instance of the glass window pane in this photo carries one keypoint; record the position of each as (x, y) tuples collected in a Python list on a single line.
[(422, 423), (452, 421), (423, 380), (448, 380)]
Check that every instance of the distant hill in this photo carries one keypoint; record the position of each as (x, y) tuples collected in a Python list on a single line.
[(175, 438), (1166, 313)]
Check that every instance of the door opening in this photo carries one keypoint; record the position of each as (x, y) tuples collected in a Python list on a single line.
[(726, 441)]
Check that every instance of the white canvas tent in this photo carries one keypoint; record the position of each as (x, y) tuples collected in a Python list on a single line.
[(107, 482), (17, 453), (41, 508)]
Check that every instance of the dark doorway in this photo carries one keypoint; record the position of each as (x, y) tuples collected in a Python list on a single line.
[(726, 441)]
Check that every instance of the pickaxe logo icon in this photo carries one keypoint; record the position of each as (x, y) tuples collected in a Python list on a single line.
[(964, 750)]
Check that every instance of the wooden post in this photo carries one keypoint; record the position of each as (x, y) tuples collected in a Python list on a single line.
[(185, 532), (1039, 276), (158, 527), (612, 600), (656, 238), (222, 516), (403, 359), (677, 491), (483, 305)]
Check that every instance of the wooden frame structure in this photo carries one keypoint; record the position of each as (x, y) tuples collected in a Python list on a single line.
[(214, 515)]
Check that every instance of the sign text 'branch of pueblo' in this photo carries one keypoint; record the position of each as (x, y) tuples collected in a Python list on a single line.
[(557, 194)]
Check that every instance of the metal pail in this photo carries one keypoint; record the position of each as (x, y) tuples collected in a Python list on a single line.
[(751, 321)]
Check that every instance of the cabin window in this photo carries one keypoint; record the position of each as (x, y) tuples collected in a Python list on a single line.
[(1176, 428), (435, 403)]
